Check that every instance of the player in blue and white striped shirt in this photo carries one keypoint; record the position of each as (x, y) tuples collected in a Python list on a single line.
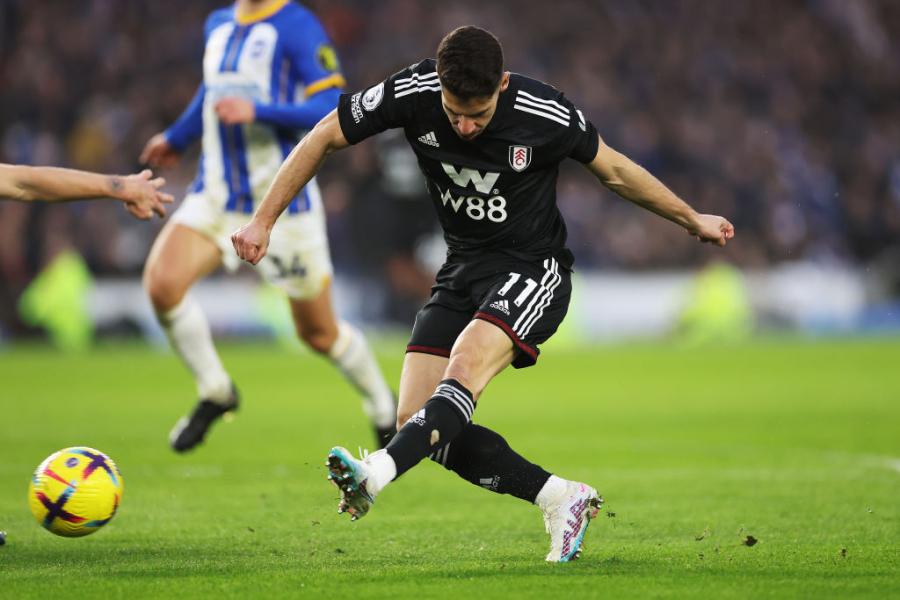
[(269, 74)]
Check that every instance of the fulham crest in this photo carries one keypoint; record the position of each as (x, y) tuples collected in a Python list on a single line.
[(519, 157)]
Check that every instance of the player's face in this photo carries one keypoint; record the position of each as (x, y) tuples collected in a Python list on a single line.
[(469, 117)]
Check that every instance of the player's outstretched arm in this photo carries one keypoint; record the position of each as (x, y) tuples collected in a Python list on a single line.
[(632, 182), (252, 240), (140, 192)]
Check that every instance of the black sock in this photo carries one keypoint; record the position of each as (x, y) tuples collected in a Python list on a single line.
[(439, 421), (483, 457)]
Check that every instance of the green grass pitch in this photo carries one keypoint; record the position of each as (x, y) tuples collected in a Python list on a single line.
[(794, 443)]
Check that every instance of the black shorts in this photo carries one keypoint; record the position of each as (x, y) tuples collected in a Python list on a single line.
[(527, 300)]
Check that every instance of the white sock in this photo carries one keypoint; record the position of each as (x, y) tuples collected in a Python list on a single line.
[(551, 492), (188, 331), (352, 355), (382, 471)]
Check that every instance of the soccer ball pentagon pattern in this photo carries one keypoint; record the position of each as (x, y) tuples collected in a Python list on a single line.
[(75, 491)]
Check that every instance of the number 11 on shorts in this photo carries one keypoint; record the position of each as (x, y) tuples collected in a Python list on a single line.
[(530, 285)]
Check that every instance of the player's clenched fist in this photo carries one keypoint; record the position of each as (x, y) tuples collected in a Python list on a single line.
[(712, 228), (251, 241)]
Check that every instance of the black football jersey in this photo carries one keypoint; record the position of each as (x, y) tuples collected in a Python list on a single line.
[(497, 192)]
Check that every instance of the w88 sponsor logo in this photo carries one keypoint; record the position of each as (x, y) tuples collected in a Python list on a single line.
[(477, 208)]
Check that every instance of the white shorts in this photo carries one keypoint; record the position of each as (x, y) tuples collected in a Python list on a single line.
[(297, 260)]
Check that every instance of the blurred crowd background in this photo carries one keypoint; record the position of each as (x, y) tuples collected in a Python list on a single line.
[(783, 115)]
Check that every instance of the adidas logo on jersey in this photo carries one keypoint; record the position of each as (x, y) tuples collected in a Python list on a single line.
[(430, 139), (501, 305)]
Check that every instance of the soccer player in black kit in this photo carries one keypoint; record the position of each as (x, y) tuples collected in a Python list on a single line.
[(489, 143)]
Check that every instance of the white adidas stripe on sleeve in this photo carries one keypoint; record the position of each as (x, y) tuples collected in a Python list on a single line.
[(546, 115), (562, 108)]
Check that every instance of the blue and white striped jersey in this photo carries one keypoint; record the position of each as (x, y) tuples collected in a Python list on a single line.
[(281, 60)]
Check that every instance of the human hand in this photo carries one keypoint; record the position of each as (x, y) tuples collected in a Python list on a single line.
[(251, 241), (235, 111), (142, 195), (712, 228), (159, 153)]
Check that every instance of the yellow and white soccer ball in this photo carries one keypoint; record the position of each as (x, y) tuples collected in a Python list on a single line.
[(75, 491)]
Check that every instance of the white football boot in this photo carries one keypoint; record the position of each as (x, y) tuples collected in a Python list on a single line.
[(566, 519), (351, 476)]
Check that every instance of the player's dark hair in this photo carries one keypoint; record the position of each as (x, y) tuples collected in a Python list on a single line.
[(470, 62)]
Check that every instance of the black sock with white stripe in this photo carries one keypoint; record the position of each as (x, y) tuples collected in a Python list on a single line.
[(483, 457), (439, 421)]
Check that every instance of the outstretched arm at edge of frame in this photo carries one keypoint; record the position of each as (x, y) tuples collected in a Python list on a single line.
[(140, 193)]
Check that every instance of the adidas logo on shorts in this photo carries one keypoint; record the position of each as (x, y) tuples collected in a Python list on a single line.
[(430, 139), (501, 305)]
